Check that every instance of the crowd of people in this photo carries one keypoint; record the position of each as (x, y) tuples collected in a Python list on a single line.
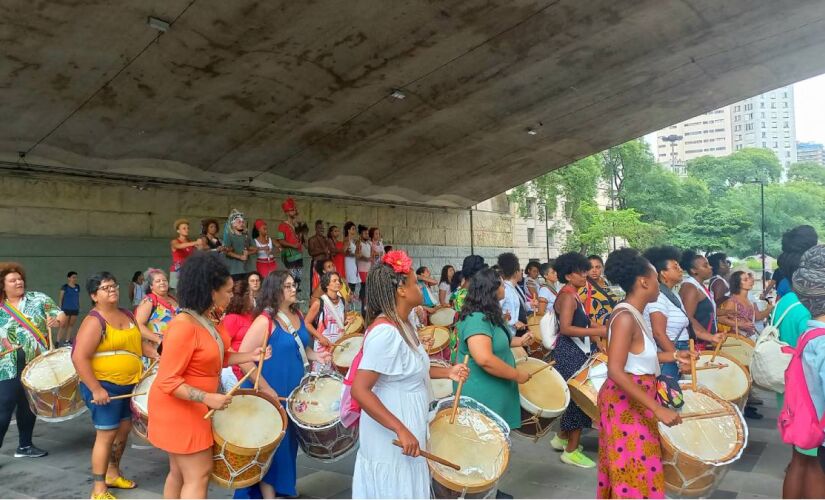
[(230, 302)]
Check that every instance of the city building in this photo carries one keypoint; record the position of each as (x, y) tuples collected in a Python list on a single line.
[(810, 152), (764, 121)]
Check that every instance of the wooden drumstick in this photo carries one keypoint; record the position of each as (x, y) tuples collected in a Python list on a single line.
[(548, 365), (458, 393), (719, 346), (430, 456), (287, 400), (700, 415), (232, 391), (126, 396), (715, 366), (736, 325), (261, 362), (692, 366), (148, 371), (9, 351)]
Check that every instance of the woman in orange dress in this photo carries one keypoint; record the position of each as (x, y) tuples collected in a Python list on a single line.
[(186, 385)]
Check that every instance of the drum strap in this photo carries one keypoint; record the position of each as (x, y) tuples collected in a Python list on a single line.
[(336, 315), (27, 325), (116, 352), (295, 335), (210, 327)]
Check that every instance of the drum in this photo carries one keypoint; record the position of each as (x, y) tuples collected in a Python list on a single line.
[(51, 384), (441, 338), (441, 387), (536, 348), (696, 453), (542, 308), (246, 435), (585, 384), (356, 323), (320, 432), (477, 442), (519, 353), (443, 316), (739, 348), (344, 351), (543, 398), (140, 407), (731, 383)]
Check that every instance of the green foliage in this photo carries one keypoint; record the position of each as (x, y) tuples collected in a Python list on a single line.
[(594, 227), (711, 228), (744, 166), (807, 171)]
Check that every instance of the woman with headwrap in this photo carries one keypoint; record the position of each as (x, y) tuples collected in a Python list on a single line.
[(805, 477), (292, 245), (239, 245), (795, 242), (266, 262)]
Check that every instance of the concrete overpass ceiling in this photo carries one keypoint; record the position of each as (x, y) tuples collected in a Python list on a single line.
[(296, 95)]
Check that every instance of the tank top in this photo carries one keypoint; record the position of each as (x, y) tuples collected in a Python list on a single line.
[(117, 358), (706, 308), (180, 255), (647, 361), (264, 249)]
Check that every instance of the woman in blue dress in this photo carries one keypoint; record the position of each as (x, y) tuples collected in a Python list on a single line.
[(277, 315)]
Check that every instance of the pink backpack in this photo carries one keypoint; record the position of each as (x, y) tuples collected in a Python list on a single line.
[(798, 422), (350, 409)]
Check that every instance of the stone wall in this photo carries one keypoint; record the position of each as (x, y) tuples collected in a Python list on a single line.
[(53, 225)]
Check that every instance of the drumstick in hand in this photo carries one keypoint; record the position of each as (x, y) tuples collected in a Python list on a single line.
[(719, 346), (548, 365), (699, 415), (126, 396), (458, 394), (692, 366), (232, 391), (430, 456)]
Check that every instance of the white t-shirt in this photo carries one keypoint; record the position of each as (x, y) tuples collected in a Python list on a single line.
[(364, 248), (546, 294), (677, 322), (350, 265), (444, 287)]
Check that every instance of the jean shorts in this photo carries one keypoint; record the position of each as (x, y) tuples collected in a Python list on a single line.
[(108, 417)]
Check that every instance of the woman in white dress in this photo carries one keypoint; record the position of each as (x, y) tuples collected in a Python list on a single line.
[(392, 388)]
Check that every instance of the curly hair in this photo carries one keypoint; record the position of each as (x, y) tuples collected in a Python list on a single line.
[(736, 282), (326, 278), (660, 256), (319, 265), (508, 263), (471, 265), (482, 297), (205, 223), (201, 274), (7, 268), (715, 260), (569, 263), (241, 302), (531, 265), (348, 225), (624, 266), (795, 242), (596, 257), (271, 293), (688, 260)]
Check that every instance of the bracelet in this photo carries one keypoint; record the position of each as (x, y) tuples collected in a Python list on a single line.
[(675, 355)]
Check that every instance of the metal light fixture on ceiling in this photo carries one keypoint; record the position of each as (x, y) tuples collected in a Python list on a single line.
[(397, 94), (158, 24)]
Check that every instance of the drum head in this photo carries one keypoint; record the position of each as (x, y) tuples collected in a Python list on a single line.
[(730, 383), (444, 316), (441, 337), (546, 393), (325, 391), (49, 370), (739, 348), (249, 422), (145, 385), (475, 442), (345, 351), (356, 324)]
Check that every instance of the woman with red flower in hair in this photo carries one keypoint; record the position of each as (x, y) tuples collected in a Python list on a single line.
[(391, 387)]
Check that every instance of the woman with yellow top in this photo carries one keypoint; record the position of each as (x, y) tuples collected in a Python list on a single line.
[(107, 358)]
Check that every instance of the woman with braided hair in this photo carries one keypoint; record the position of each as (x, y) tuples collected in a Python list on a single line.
[(391, 386)]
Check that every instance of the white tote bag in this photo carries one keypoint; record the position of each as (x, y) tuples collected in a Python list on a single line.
[(769, 361)]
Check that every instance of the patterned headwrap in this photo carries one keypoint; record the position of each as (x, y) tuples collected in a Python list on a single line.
[(809, 280), (234, 215)]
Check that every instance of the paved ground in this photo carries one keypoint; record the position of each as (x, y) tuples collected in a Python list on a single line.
[(535, 470)]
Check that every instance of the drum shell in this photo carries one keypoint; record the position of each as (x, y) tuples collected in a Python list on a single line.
[(238, 455), (356, 324), (680, 467), (329, 442), (140, 418), (742, 352), (584, 394), (533, 426), (441, 364), (54, 404), (437, 348), (343, 369), (438, 321)]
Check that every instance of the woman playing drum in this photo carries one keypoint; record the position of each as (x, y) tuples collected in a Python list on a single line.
[(186, 385), (278, 318), (107, 357), (391, 387), (630, 455), (330, 313), (572, 351), (25, 318)]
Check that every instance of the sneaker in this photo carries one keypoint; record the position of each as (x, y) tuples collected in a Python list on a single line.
[(106, 495), (577, 459), (751, 413), (30, 452), (501, 494), (558, 443), (753, 400)]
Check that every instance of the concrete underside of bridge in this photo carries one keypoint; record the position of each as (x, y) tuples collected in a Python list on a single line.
[(296, 96)]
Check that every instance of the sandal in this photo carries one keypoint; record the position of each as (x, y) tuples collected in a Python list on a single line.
[(106, 495), (121, 483)]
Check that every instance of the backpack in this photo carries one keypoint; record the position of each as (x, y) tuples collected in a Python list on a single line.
[(769, 362), (798, 422), (350, 409), (549, 328), (102, 320)]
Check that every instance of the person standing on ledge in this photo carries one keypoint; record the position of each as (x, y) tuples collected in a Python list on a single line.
[(291, 244), (182, 247)]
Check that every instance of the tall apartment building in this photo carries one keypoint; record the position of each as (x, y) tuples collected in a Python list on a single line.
[(767, 121), (764, 121), (811, 152)]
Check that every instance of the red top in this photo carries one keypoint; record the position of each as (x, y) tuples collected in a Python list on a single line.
[(338, 259), (236, 325), (289, 234), (180, 255)]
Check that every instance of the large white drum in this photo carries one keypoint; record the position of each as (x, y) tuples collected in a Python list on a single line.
[(444, 316), (441, 387), (51, 385), (731, 383), (345, 351)]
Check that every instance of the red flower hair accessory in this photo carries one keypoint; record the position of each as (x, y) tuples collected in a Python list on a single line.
[(400, 262)]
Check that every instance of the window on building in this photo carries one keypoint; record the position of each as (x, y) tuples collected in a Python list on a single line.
[(764, 144), (762, 105), (531, 237), (786, 125), (737, 108), (773, 105), (531, 208), (775, 144)]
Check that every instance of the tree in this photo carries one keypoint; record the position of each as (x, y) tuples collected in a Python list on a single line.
[(593, 228), (575, 184), (807, 171), (624, 166), (746, 165), (711, 228)]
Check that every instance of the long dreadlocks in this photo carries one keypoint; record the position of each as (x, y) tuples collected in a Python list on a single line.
[(382, 282)]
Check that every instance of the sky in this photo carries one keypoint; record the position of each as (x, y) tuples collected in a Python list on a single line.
[(809, 107)]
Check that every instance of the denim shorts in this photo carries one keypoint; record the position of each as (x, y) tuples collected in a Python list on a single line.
[(108, 417), (672, 368)]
